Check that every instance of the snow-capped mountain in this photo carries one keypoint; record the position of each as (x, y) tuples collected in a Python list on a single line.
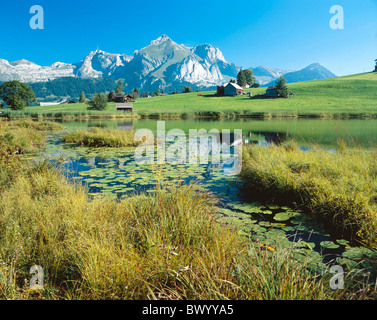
[(27, 71), (99, 63), (162, 64)]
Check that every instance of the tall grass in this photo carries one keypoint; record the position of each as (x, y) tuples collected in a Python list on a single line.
[(98, 137), (38, 125), (165, 246), (339, 188), (15, 139), (162, 246)]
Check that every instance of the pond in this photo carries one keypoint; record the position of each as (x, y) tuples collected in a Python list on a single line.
[(114, 172)]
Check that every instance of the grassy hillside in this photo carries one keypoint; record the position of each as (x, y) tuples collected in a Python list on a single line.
[(349, 94), (355, 94)]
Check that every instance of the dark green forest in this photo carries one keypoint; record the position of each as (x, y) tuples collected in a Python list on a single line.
[(71, 88)]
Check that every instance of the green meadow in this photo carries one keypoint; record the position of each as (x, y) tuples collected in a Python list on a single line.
[(354, 95)]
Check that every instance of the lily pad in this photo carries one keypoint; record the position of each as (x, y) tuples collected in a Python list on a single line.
[(329, 245)]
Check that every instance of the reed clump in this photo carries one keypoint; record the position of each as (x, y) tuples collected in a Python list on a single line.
[(339, 188), (19, 140), (38, 125), (98, 137)]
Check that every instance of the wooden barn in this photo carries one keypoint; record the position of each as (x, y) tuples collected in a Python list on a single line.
[(233, 89), (272, 92), (123, 98)]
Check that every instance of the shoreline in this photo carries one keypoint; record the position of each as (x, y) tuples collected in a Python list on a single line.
[(210, 115)]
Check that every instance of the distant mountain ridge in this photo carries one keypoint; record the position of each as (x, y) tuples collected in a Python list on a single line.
[(162, 64), (268, 76)]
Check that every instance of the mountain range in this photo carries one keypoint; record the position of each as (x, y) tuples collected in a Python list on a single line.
[(162, 64)]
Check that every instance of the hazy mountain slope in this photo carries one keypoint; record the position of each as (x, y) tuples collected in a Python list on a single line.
[(265, 75), (314, 71)]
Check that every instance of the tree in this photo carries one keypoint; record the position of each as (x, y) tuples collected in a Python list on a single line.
[(249, 75), (111, 96), (82, 97), (375, 68), (256, 85), (119, 88), (136, 90), (232, 81), (134, 95), (98, 102), (16, 95), (241, 79), (187, 89), (282, 88), (157, 92)]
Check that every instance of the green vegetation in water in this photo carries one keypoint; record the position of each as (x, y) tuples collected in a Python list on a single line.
[(338, 188), (98, 137)]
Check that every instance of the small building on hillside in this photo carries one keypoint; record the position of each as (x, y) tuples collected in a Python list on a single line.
[(247, 85), (46, 104), (123, 98), (232, 89), (68, 102), (272, 92)]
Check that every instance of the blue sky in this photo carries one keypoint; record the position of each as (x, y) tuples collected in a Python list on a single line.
[(287, 34)]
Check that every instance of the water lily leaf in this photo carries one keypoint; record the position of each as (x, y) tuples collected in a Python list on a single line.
[(281, 216), (342, 242), (329, 245)]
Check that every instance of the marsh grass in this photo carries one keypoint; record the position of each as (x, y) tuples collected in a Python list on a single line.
[(162, 246), (98, 137), (338, 188), (19, 140), (38, 125)]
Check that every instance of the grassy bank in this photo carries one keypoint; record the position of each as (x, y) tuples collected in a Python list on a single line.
[(343, 97), (98, 137), (337, 188)]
